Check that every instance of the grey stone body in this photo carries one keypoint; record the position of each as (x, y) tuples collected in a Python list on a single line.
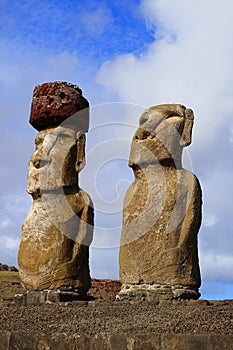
[(162, 211)]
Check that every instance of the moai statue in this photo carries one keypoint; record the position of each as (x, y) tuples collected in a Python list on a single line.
[(54, 246), (162, 211)]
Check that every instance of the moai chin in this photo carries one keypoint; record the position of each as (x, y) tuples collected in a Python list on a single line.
[(162, 211), (54, 246)]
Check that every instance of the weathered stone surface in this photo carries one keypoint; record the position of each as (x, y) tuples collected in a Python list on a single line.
[(105, 289), (52, 164), (162, 210), (38, 340), (57, 232), (54, 246), (54, 102), (36, 297), (20, 299), (4, 340)]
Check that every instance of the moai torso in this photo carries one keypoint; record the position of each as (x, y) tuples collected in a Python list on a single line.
[(162, 211), (54, 245)]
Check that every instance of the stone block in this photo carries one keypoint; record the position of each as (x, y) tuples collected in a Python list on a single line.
[(4, 340), (36, 297), (20, 299)]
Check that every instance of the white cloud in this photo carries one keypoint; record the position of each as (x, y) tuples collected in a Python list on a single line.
[(5, 223), (175, 16), (194, 68), (209, 220), (96, 22), (216, 267), (10, 243)]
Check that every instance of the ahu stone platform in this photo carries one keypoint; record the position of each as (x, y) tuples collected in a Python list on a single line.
[(114, 341)]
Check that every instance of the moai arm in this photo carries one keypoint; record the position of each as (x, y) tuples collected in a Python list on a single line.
[(79, 260), (192, 219)]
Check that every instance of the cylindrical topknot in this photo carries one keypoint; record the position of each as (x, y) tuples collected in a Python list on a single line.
[(53, 103)]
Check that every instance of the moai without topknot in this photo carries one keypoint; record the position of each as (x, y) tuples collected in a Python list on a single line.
[(56, 235), (162, 211)]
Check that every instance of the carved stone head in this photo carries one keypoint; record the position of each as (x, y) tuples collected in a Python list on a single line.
[(163, 132), (59, 156), (61, 115)]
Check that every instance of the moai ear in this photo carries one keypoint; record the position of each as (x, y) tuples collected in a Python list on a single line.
[(186, 137), (80, 160)]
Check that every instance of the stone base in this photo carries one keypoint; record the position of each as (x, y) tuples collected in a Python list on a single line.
[(156, 292), (113, 341), (47, 296)]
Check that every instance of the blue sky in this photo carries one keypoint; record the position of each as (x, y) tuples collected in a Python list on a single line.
[(92, 30), (140, 53)]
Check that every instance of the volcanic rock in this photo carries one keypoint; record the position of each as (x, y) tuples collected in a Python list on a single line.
[(54, 102)]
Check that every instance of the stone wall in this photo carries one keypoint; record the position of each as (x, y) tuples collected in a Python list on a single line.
[(114, 341)]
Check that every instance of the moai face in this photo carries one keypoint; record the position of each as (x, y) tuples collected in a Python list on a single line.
[(163, 132), (59, 156)]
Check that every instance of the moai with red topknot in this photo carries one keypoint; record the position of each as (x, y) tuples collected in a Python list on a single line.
[(56, 235)]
